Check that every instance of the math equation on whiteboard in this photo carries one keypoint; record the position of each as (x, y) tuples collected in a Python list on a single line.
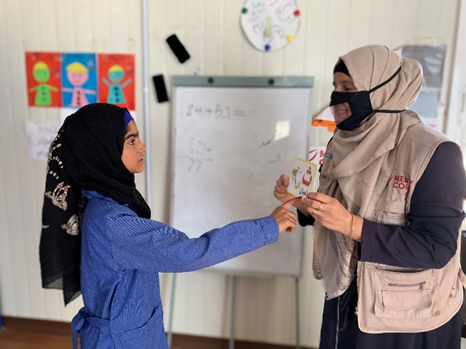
[(217, 111)]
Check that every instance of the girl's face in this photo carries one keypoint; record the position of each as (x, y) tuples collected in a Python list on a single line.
[(133, 150), (342, 83)]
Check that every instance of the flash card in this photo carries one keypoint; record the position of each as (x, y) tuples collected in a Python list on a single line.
[(302, 177)]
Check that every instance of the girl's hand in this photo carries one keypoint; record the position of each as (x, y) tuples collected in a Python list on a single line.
[(286, 219)]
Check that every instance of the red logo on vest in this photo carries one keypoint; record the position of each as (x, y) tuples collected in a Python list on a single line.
[(401, 182), (316, 155)]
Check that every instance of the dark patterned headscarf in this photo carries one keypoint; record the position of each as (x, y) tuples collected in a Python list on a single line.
[(85, 155)]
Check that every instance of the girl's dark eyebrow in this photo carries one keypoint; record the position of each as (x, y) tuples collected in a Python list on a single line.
[(131, 135)]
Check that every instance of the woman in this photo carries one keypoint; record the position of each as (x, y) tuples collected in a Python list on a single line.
[(91, 200), (387, 213)]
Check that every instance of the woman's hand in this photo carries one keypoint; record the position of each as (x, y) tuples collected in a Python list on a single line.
[(332, 215), (286, 219), (281, 193)]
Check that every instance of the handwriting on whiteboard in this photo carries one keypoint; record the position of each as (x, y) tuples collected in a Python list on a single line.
[(195, 163), (260, 164), (198, 152), (198, 147), (217, 111), (268, 141)]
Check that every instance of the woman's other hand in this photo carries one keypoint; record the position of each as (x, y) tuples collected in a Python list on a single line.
[(332, 215), (286, 219), (280, 191)]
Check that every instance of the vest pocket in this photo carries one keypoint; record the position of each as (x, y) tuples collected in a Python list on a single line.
[(406, 295), (388, 217)]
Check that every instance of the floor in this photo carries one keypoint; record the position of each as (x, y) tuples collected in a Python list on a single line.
[(13, 339), (20, 333), (20, 340)]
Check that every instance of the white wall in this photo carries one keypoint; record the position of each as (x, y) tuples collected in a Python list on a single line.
[(211, 33), (456, 121)]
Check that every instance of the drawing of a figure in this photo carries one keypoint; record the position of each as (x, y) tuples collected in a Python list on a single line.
[(41, 74), (78, 74), (116, 75), (294, 174), (307, 174)]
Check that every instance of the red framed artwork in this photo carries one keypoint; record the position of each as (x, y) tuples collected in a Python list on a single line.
[(116, 79), (43, 79)]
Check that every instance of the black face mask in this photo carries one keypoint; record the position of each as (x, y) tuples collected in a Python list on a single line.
[(360, 105)]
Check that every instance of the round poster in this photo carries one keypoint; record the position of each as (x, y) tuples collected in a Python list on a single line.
[(270, 25)]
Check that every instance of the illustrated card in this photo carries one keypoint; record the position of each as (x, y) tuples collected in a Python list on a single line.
[(302, 177)]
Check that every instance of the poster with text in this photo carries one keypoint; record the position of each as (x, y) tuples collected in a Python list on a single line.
[(40, 136), (79, 79), (43, 79), (116, 79)]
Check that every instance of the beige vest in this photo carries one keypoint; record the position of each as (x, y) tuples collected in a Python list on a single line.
[(394, 299)]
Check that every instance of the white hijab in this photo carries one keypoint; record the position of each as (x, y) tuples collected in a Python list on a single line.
[(363, 159)]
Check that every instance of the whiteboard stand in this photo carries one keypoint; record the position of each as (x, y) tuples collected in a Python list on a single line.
[(170, 315), (231, 344), (297, 314), (231, 133)]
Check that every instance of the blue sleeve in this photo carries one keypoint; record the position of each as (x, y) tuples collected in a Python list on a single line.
[(139, 243), (435, 217)]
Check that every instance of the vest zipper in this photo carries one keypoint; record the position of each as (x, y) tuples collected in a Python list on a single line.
[(419, 284)]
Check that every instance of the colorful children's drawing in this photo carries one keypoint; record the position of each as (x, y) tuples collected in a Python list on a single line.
[(302, 177), (79, 79), (43, 79), (116, 79)]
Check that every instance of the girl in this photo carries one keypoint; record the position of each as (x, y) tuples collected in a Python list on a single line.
[(91, 200)]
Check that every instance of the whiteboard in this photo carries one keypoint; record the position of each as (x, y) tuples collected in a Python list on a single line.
[(230, 144)]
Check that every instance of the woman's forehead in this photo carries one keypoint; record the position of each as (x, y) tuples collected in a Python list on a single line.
[(339, 77)]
